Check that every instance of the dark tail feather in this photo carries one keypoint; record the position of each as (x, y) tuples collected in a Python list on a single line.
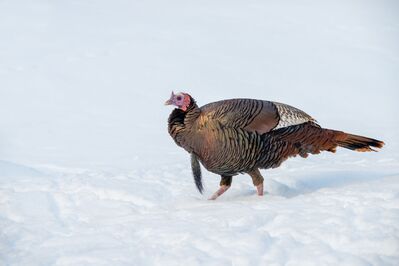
[(196, 168), (359, 143)]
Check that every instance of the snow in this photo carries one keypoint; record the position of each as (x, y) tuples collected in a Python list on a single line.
[(89, 175), (154, 216)]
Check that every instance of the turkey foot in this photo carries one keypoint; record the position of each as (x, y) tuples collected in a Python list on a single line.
[(259, 188), (219, 192)]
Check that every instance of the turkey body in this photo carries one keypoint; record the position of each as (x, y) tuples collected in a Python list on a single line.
[(243, 135)]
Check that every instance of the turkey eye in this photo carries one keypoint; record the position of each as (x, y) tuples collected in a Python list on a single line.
[(178, 98)]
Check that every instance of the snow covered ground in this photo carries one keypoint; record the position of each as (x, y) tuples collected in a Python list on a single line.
[(89, 175)]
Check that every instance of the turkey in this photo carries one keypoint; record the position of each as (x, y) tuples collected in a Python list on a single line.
[(236, 136)]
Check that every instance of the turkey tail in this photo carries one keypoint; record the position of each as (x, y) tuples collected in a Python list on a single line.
[(196, 168), (359, 143)]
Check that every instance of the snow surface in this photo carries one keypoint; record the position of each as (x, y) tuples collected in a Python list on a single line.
[(89, 175)]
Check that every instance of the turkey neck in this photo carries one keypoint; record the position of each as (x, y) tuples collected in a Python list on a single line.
[(192, 113), (182, 125)]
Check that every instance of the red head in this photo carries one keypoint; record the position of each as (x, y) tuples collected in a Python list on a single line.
[(181, 100)]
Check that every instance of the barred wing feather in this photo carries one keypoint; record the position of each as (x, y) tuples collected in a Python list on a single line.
[(252, 115)]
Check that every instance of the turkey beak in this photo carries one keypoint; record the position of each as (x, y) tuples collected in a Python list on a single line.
[(168, 102)]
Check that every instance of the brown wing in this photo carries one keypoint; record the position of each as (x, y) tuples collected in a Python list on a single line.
[(252, 115)]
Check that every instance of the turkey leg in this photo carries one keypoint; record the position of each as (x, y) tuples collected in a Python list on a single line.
[(257, 180), (225, 184)]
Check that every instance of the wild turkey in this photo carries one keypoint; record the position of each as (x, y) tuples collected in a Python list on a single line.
[(244, 135)]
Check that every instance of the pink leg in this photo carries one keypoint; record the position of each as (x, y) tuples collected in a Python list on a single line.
[(219, 192), (259, 188), (257, 180)]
